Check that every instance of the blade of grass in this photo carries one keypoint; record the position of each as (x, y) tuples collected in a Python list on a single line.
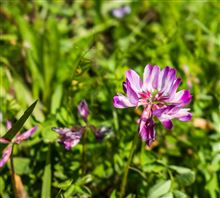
[(18, 125), (46, 186)]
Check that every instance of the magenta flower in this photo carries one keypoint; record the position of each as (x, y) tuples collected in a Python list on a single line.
[(17, 140), (159, 97), (83, 110), (70, 137)]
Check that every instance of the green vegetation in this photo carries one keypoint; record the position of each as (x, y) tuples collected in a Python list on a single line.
[(63, 51)]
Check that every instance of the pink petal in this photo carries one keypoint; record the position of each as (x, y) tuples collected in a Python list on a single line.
[(183, 115), (162, 77), (151, 74), (121, 101), (171, 112), (155, 76), (75, 140), (174, 87), (147, 72), (69, 137), (6, 155), (4, 141), (147, 130), (83, 110), (61, 131), (163, 114), (167, 124), (147, 126), (133, 78), (8, 124), (20, 137), (169, 80), (182, 97), (132, 95)]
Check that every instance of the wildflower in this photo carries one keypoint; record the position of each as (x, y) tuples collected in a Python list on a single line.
[(17, 140), (159, 97), (121, 12), (70, 137), (83, 110), (101, 132)]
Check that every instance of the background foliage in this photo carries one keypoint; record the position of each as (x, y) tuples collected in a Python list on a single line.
[(65, 51)]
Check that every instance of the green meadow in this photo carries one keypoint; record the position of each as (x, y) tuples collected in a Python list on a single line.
[(60, 52)]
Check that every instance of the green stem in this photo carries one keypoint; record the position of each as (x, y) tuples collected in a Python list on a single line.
[(125, 177), (84, 154), (13, 174)]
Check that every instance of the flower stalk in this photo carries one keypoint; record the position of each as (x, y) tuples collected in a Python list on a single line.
[(84, 154), (126, 170), (13, 174)]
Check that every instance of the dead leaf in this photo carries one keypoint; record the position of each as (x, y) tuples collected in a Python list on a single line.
[(202, 124), (21, 193)]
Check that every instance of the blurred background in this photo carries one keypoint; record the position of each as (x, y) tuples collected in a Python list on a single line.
[(63, 51)]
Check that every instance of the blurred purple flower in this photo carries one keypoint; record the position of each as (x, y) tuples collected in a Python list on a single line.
[(157, 94), (83, 110), (121, 12), (70, 137), (100, 132), (17, 140)]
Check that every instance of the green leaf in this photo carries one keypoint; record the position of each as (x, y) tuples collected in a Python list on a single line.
[(213, 185), (185, 176), (159, 189), (84, 180), (2, 185), (186, 179), (113, 194), (18, 125), (156, 168), (21, 165), (63, 185), (131, 196), (56, 98), (48, 135), (46, 186), (167, 195), (178, 194)]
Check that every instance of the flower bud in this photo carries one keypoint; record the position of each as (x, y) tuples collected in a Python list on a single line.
[(83, 110)]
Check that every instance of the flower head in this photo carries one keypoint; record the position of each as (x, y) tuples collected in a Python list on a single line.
[(17, 140), (158, 95), (121, 12), (83, 110), (70, 137)]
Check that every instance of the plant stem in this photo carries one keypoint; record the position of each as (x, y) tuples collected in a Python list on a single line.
[(13, 174), (125, 177), (84, 154)]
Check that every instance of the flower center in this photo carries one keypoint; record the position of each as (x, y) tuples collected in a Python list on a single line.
[(154, 100), (148, 98)]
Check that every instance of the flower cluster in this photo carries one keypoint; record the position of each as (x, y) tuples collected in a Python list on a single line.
[(158, 95), (70, 137), (17, 140)]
